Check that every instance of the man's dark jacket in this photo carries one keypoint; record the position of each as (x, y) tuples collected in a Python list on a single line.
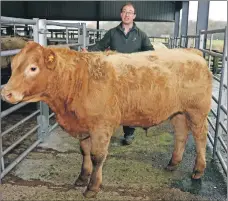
[(115, 39)]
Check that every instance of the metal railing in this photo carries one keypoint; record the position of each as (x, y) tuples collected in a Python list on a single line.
[(218, 123), (43, 113), (220, 130), (5, 170), (43, 126)]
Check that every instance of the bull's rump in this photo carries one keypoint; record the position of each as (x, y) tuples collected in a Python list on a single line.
[(154, 85)]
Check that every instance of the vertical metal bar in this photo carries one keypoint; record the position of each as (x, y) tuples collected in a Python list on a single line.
[(36, 30), (67, 35), (202, 19), (84, 34), (201, 42), (177, 23), (186, 42), (210, 48), (224, 70), (184, 19), (14, 30), (43, 119)]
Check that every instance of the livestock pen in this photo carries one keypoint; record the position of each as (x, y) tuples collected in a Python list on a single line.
[(44, 174)]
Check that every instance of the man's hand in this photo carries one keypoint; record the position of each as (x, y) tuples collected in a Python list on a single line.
[(84, 49)]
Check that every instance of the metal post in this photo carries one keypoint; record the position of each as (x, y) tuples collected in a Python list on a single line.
[(82, 35), (209, 59), (184, 19), (221, 99), (87, 38), (36, 30), (177, 22), (186, 41), (67, 36), (43, 118), (201, 41), (202, 19)]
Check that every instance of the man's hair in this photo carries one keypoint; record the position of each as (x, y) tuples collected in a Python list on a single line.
[(128, 4)]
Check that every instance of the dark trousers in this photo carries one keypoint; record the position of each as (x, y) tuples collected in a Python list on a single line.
[(128, 131)]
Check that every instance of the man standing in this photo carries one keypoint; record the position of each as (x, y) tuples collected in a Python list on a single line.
[(125, 38)]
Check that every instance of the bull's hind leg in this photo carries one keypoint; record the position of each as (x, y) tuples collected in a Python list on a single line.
[(100, 139), (86, 168), (181, 129), (199, 128)]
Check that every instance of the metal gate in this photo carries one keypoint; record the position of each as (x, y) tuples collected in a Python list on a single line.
[(217, 118), (43, 114)]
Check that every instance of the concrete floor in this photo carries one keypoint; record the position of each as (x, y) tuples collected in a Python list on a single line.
[(134, 172)]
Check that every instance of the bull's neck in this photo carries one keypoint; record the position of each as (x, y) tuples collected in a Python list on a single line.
[(69, 91)]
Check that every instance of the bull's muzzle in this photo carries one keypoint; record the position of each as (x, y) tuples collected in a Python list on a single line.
[(10, 96)]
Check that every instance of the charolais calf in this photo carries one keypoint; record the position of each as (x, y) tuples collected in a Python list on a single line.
[(93, 93)]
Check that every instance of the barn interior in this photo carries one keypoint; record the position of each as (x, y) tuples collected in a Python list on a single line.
[(45, 165)]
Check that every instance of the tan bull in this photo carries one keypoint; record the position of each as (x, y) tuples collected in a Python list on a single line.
[(93, 93)]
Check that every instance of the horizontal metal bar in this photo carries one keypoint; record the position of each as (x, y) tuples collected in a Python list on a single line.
[(75, 25), (91, 44), (19, 158), (190, 36), (222, 143), (65, 45), (222, 162), (62, 40), (6, 53), (21, 139), (12, 109), (214, 98), (210, 122), (224, 109), (216, 78), (17, 20), (213, 112), (51, 115), (53, 127), (210, 138), (96, 30), (223, 126), (212, 31), (21, 122), (212, 53)]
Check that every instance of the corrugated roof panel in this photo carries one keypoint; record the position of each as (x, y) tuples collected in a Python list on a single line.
[(145, 10), (63, 10), (89, 10)]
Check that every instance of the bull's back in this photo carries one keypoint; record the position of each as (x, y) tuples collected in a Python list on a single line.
[(155, 84)]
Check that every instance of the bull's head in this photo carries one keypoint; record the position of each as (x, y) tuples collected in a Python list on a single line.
[(30, 70)]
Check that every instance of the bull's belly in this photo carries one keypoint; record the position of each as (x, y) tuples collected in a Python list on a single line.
[(143, 121)]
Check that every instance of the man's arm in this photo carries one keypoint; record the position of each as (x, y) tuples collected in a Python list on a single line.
[(146, 44), (102, 44)]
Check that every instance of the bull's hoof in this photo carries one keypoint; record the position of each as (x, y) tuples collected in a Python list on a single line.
[(81, 182), (90, 194), (171, 166), (197, 174)]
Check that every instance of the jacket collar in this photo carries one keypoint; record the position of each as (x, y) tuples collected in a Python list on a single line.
[(120, 27)]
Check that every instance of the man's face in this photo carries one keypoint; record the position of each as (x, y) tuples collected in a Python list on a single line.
[(128, 14)]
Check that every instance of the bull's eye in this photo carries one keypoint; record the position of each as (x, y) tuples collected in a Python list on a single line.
[(33, 69)]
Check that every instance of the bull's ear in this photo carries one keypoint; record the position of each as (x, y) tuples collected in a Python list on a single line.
[(50, 58)]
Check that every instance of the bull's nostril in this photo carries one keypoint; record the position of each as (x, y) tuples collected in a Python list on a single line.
[(9, 95)]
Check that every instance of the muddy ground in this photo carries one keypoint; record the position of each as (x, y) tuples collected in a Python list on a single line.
[(134, 172)]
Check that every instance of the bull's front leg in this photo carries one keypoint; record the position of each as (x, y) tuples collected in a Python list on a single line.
[(100, 139), (86, 168)]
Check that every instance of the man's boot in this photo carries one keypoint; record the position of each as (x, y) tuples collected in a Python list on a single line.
[(128, 135)]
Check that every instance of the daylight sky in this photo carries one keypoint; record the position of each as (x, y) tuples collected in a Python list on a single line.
[(218, 10)]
